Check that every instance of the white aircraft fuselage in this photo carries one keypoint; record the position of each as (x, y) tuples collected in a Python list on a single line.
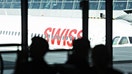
[(58, 31)]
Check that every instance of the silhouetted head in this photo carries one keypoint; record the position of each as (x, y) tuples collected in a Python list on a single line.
[(81, 47), (38, 47), (100, 56)]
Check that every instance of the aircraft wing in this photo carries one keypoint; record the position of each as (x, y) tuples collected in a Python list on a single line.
[(126, 17)]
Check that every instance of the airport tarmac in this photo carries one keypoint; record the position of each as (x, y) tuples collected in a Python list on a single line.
[(9, 62), (126, 68)]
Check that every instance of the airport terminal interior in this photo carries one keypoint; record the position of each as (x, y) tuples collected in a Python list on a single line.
[(59, 10)]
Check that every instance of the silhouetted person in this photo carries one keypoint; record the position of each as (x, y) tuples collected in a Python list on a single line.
[(78, 60), (37, 64), (101, 59)]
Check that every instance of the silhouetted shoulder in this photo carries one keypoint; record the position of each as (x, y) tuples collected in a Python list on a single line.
[(79, 57), (37, 64), (100, 59)]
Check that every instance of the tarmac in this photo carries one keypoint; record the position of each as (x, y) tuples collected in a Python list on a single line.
[(123, 66)]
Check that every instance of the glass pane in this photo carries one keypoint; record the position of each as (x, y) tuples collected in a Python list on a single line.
[(2, 0), (35, 5), (119, 5), (93, 5), (45, 6), (29, 5), (129, 5), (102, 6), (29, 0), (45, 0), (120, 0), (17, 0), (9, 0), (36, 0), (16, 5), (68, 5), (1, 5), (93, 0), (56, 5), (7, 5), (77, 5), (48, 5)]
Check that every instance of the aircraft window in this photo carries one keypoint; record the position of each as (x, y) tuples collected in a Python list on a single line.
[(38, 35), (130, 38), (35, 34), (15, 33), (115, 40), (66, 37), (12, 32), (3, 32), (6, 32), (0, 32), (62, 37), (70, 38), (42, 35), (18, 33), (31, 34), (123, 40), (9, 32), (48, 36)]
